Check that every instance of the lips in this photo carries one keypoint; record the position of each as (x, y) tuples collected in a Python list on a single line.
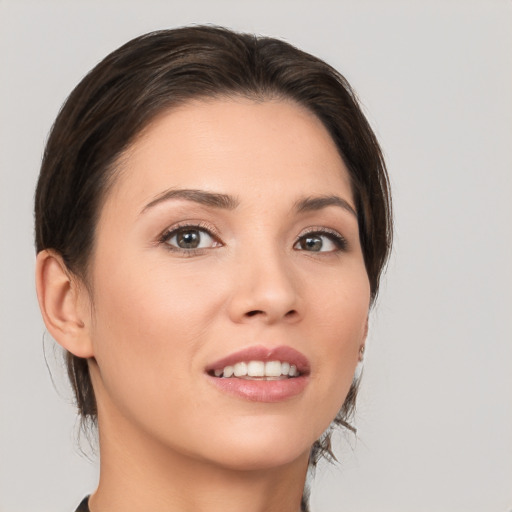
[(251, 374)]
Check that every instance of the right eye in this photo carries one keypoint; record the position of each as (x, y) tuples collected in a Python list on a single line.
[(189, 238)]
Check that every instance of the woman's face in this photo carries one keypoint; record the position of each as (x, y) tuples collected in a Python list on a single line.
[(229, 236)]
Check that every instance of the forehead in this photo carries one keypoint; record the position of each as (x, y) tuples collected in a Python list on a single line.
[(236, 146)]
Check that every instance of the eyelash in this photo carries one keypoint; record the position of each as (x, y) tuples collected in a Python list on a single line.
[(338, 240), (174, 230)]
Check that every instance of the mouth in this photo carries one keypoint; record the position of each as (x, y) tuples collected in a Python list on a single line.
[(261, 374), (257, 370)]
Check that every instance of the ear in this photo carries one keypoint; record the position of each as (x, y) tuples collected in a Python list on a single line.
[(64, 304)]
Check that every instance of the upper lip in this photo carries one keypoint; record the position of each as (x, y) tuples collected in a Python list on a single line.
[(260, 353)]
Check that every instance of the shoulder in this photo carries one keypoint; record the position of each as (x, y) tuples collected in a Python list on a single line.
[(84, 505)]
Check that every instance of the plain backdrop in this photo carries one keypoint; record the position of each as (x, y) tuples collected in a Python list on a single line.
[(435, 78)]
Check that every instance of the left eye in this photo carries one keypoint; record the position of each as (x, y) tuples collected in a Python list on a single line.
[(319, 242), (190, 238)]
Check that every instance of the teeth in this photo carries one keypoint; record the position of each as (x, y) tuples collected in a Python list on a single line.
[(273, 368), (258, 369), (240, 369)]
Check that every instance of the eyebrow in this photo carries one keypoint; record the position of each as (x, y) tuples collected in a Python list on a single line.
[(309, 204), (214, 199), (227, 202)]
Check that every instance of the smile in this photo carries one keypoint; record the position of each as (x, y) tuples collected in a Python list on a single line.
[(261, 374), (261, 370)]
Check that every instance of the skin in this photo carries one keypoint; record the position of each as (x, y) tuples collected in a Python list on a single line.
[(153, 317)]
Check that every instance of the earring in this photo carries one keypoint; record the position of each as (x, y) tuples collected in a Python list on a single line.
[(359, 366)]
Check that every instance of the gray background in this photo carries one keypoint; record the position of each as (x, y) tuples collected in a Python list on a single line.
[(435, 414)]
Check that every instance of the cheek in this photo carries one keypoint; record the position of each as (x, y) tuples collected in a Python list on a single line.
[(341, 313), (153, 304), (148, 327)]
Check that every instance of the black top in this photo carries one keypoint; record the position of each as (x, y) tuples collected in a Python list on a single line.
[(84, 506)]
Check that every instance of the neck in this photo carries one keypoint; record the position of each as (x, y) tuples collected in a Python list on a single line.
[(138, 473)]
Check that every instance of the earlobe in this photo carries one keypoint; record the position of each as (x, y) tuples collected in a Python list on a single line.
[(61, 301)]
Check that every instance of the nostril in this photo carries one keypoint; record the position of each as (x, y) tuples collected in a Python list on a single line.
[(255, 312)]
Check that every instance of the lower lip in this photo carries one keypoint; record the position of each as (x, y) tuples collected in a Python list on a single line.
[(269, 391)]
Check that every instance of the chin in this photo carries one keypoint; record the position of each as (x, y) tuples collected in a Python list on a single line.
[(261, 459), (262, 446)]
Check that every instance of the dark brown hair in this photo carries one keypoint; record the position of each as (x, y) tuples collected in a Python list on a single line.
[(158, 71)]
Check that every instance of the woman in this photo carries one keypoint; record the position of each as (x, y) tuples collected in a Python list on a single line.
[(212, 219)]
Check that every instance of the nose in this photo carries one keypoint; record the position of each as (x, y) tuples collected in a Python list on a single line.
[(265, 288)]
